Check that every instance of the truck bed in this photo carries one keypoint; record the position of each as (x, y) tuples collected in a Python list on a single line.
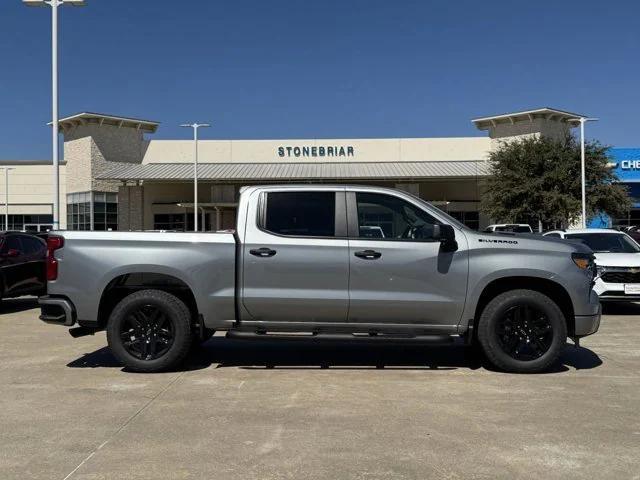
[(91, 261)]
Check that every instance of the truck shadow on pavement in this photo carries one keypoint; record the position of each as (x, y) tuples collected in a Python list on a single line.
[(620, 308), (301, 354)]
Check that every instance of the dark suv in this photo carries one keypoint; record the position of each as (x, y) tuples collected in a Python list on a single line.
[(22, 264)]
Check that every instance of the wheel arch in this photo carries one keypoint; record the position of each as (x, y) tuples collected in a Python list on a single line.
[(125, 284), (554, 290)]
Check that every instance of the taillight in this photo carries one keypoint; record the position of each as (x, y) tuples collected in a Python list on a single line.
[(54, 242)]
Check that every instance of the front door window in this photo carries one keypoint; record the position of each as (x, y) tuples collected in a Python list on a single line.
[(392, 218)]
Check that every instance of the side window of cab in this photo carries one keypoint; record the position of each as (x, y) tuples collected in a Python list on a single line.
[(386, 217), (300, 214)]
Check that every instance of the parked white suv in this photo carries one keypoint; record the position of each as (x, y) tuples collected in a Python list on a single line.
[(617, 261), (509, 227)]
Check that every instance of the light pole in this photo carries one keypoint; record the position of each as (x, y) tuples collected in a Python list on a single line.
[(54, 4), (583, 181), (6, 196), (195, 127)]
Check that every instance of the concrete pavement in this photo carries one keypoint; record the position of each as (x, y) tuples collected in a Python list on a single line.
[(263, 410)]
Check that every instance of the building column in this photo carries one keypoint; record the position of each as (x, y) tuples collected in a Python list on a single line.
[(130, 208)]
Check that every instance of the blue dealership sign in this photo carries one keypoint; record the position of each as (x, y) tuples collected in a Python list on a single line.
[(627, 164)]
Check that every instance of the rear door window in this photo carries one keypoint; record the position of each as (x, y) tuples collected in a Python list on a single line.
[(300, 214), (13, 243), (31, 245)]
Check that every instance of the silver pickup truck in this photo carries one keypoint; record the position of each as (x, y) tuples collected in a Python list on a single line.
[(361, 263)]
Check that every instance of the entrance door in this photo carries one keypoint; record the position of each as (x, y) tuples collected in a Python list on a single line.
[(397, 272), (295, 257)]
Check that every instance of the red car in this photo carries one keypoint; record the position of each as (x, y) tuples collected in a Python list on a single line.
[(22, 264)]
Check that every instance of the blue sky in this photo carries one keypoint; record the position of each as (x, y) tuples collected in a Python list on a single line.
[(304, 69)]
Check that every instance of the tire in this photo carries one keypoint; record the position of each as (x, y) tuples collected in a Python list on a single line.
[(160, 318), (527, 319)]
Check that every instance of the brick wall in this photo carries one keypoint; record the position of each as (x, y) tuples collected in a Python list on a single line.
[(89, 150), (130, 208)]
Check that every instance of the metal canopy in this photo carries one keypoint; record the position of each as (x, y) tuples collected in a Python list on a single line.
[(100, 119), (297, 171), (546, 113)]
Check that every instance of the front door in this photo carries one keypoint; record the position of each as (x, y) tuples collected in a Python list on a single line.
[(295, 257), (398, 273)]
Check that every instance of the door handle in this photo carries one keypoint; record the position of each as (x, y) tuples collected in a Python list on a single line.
[(368, 254), (262, 252)]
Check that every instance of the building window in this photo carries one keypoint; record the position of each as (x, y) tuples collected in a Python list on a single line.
[(470, 219), (169, 221), (30, 223), (92, 211), (177, 221), (105, 211)]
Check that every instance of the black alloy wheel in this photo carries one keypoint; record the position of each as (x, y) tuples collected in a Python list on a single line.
[(147, 332), (524, 332), (150, 331)]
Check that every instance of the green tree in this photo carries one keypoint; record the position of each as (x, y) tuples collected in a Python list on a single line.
[(537, 179)]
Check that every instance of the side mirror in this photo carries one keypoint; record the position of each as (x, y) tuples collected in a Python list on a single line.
[(447, 237)]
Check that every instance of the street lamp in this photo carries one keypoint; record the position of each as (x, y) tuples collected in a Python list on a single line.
[(6, 196), (582, 121), (54, 4), (195, 127)]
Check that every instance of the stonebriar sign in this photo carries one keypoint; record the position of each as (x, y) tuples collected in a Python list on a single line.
[(316, 151)]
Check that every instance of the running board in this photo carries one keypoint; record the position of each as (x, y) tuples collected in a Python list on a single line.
[(350, 337)]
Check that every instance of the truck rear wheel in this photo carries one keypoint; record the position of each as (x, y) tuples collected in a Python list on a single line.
[(150, 331), (522, 331)]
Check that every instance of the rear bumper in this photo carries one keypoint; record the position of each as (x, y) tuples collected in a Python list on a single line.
[(587, 324), (56, 310)]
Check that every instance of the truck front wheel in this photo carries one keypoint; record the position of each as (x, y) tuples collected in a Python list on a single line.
[(150, 331), (522, 331)]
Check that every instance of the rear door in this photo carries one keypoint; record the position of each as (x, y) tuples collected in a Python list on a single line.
[(295, 256), (34, 271), (14, 269), (398, 273)]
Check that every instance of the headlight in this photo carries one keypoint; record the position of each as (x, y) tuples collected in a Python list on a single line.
[(600, 270), (584, 261)]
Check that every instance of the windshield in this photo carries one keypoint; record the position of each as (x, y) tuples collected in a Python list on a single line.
[(606, 242), (448, 218), (513, 228)]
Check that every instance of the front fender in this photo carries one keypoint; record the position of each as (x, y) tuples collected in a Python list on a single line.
[(489, 265)]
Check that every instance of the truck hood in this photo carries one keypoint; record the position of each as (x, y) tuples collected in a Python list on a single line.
[(525, 241), (618, 259)]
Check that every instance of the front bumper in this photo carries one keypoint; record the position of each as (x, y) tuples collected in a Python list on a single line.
[(57, 310), (587, 324), (613, 292)]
